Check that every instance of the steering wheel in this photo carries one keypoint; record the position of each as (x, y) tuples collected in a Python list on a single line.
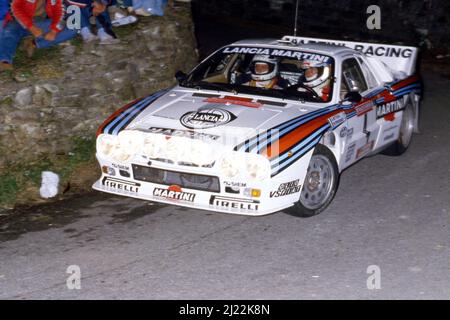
[(301, 85)]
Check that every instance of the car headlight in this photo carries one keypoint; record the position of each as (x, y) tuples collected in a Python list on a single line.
[(200, 153), (230, 165), (130, 143), (106, 144), (247, 166), (154, 145), (258, 167), (177, 149)]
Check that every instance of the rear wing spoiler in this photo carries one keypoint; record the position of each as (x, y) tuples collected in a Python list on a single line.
[(397, 58)]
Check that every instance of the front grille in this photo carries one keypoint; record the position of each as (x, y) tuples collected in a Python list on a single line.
[(182, 179)]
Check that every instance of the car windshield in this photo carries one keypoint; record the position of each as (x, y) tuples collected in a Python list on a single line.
[(278, 73)]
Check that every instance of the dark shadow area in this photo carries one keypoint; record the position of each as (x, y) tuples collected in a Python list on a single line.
[(419, 23)]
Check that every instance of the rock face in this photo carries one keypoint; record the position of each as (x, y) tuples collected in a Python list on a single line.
[(51, 106)]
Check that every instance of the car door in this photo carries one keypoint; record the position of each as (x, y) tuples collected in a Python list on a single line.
[(362, 129)]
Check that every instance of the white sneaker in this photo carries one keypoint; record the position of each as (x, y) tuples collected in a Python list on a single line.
[(87, 35), (109, 40), (142, 12), (106, 39), (124, 21)]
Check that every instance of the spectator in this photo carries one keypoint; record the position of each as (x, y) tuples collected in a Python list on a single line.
[(4, 6), (146, 8), (103, 21), (29, 17), (98, 9), (86, 12)]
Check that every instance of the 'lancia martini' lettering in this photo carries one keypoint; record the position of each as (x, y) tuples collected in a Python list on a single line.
[(278, 53)]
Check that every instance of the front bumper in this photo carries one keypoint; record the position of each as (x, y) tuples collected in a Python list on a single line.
[(221, 201)]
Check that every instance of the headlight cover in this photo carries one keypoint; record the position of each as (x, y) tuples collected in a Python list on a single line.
[(128, 143), (106, 145), (254, 167)]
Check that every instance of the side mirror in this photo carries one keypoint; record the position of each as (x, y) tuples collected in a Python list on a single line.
[(352, 96), (180, 76)]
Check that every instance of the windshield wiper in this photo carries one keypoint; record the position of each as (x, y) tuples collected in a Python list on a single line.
[(212, 85)]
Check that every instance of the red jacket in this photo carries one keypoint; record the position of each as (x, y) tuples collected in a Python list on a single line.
[(23, 12)]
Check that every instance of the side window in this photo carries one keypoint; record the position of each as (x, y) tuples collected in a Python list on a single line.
[(371, 81), (353, 76)]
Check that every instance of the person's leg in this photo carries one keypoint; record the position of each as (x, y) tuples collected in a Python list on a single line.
[(62, 36), (155, 7), (85, 31), (104, 29), (85, 15), (137, 4), (10, 37)]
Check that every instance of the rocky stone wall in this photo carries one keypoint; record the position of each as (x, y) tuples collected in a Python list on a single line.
[(52, 104)]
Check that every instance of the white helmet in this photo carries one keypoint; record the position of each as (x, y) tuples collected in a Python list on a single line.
[(319, 79), (272, 68)]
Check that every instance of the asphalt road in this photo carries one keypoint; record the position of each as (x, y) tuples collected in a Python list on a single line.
[(392, 212)]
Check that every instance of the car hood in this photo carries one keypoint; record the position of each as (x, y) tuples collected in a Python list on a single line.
[(223, 117)]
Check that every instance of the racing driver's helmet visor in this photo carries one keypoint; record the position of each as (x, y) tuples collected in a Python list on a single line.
[(261, 67)]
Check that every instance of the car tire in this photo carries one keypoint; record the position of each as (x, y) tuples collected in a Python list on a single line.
[(406, 133), (320, 185)]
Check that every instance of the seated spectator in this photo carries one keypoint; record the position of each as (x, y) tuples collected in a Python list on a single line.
[(103, 21), (98, 9), (29, 17)]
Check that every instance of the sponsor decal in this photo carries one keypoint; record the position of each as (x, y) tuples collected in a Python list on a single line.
[(336, 120), (390, 107), (119, 184), (174, 193), (350, 152), (346, 132), (235, 184), (278, 53), (384, 51), (368, 49), (364, 107), (286, 189), (184, 133), (120, 167), (389, 133), (206, 118), (234, 203), (365, 149)]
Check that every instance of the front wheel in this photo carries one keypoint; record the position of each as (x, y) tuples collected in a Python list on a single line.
[(320, 184)]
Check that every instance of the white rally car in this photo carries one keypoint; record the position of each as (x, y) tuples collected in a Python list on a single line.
[(263, 125)]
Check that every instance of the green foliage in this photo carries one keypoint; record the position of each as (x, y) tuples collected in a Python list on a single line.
[(8, 189)]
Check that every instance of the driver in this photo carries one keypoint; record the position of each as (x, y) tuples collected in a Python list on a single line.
[(317, 77), (264, 73)]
